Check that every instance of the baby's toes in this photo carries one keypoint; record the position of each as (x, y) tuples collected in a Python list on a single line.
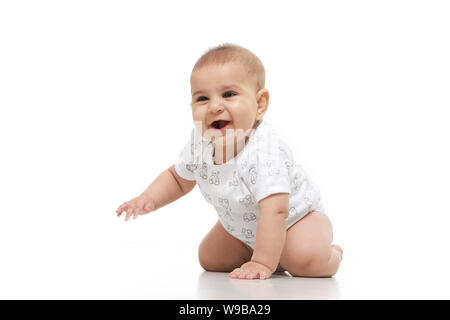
[(234, 274), (339, 249), (251, 275)]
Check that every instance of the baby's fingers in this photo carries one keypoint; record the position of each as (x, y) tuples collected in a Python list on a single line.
[(122, 208), (129, 214)]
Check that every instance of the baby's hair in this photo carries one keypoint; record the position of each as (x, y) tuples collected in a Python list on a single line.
[(228, 52)]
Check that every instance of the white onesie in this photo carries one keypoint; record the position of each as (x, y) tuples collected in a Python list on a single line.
[(264, 166)]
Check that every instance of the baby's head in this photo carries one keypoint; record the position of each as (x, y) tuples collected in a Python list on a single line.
[(228, 83)]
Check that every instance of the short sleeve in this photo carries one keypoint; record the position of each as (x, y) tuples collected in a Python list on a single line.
[(184, 164), (268, 173)]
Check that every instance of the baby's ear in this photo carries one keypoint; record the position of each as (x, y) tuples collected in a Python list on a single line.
[(262, 98)]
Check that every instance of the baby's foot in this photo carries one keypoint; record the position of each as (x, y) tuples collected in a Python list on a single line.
[(339, 249)]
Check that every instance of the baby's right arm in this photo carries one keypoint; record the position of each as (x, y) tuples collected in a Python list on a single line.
[(166, 188)]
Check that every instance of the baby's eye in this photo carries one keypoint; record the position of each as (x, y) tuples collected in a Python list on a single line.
[(201, 98), (229, 92)]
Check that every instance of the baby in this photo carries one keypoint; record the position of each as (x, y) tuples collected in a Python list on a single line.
[(271, 216)]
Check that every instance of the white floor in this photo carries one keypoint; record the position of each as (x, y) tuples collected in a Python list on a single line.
[(130, 272)]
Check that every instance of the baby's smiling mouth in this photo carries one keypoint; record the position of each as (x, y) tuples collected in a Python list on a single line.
[(219, 124)]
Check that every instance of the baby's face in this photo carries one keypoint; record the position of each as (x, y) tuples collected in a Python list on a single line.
[(225, 92)]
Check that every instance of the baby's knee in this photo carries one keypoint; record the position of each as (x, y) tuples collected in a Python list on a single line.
[(204, 257), (208, 258), (206, 263), (305, 259)]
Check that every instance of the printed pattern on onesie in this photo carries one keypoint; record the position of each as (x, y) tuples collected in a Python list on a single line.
[(265, 166)]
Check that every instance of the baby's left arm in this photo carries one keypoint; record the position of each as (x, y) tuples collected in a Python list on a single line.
[(270, 237)]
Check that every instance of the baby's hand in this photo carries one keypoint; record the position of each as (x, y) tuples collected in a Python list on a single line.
[(136, 206), (251, 270)]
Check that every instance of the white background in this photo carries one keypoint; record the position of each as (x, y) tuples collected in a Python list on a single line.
[(94, 105)]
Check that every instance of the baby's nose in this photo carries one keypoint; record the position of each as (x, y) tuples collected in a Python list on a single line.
[(216, 105)]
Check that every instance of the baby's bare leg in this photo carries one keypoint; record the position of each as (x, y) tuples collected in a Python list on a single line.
[(308, 251), (220, 251)]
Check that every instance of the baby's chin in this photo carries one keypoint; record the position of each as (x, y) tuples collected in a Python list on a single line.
[(225, 137), (227, 140)]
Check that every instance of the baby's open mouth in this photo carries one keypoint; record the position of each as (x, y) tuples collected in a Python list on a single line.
[(219, 124)]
